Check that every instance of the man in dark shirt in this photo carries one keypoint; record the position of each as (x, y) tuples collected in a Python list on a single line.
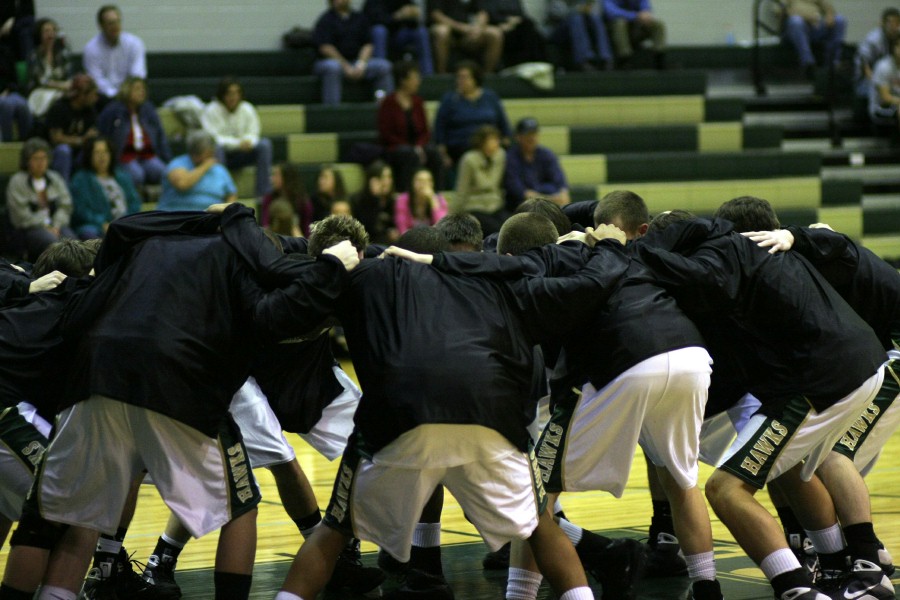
[(344, 40), (788, 326), (872, 288), (398, 24), (70, 122), (533, 170), (396, 317), (164, 334)]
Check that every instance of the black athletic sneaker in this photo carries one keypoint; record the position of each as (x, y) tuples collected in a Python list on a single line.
[(806, 555), (497, 561), (161, 576), (618, 567), (866, 581), (887, 563), (123, 584), (666, 559), (802, 593), (420, 585), (391, 565), (350, 574), (705, 589)]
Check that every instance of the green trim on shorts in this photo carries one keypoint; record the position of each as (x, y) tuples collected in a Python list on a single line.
[(551, 446), (537, 481), (753, 462), (243, 492), (338, 515), (22, 438), (856, 436)]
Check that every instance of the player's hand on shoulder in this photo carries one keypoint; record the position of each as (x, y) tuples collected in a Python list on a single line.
[(575, 236), (219, 208), (607, 232), (780, 240), (425, 259), (47, 282), (345, 252)]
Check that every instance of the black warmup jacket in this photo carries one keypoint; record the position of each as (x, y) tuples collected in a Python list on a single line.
[(868, 284), (176, 318), (434, 347), (636, 320), (13, 283), (33, 358), (775, 315)]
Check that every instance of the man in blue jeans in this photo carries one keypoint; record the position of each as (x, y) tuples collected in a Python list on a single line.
[(397, 24), (810, 22), (344, 41)]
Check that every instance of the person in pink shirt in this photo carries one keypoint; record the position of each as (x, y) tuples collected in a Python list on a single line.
[(421, 206)]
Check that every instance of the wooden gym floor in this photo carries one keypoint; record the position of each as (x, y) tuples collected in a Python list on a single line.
[(462, 547)]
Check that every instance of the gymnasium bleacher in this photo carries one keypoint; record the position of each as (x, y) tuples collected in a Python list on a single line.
[(691, 137)]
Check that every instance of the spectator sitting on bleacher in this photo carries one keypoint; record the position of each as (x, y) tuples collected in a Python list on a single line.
[(234, 124), (49, 68), (397, 25), (884, 94), (195, 180), (581, 30), (631, 22), (38, 201), (533, 170), (373, 206), (464, 110), (113, 54), (71, 122), (101, 191), (330, 197), (344, 40), (875, 46), (288, 188), (421, 206), (522, 41), (479, 185), (810, 22), (137, 134), (403, 128), (17, 27), (13, 106), (462, 24)]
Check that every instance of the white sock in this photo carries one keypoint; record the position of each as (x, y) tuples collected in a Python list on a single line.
[(701, 566), (579, 593), (780, 561), (522, 584), (49, 592), (557, 506), (282, 595), (427, 535), (173, 542), (573, 532), (827, 541)]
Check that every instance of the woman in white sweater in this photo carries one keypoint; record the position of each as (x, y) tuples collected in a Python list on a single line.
[(234, 124)]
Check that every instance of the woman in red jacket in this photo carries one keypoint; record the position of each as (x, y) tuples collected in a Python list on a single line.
[(403, 129)]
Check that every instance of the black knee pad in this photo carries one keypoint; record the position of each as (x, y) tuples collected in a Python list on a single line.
[(37, 532)]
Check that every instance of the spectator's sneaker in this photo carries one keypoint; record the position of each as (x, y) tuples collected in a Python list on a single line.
[(350, 574), (497, 561), (866, 581), (705, 590), (161, 576), (391, 565), (420, 585), (887, 563), (803, 593), (618, 568), (665, 559), (123, 584)]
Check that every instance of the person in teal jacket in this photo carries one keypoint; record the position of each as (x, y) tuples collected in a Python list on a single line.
[(101, 191)]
